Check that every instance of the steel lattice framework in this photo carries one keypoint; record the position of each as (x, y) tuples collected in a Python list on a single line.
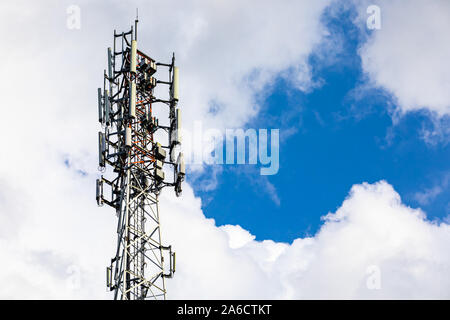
[(127, 146)]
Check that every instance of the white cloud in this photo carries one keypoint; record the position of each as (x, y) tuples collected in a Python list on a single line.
[(408, 56), (429, 194), (237, 237), (371, 228)]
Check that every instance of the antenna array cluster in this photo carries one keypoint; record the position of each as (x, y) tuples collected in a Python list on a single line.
[(139, 165)]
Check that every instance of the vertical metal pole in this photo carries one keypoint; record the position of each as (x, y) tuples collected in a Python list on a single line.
[(160, 251), (135, 24), (126, 272)]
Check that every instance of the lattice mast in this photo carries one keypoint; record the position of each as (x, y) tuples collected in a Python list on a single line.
[(127, 146)]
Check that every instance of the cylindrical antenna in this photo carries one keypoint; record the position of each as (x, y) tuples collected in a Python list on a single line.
[(100, 105), (133, 58), (132, 104), (135, 24), (175, 84)]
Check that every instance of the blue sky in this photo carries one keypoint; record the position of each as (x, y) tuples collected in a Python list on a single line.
[(336, 135)]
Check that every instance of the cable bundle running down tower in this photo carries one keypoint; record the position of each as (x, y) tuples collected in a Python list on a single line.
[(127, 146)]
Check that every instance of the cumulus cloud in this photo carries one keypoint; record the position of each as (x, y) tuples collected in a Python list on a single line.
[(408, 56), (372, 230)]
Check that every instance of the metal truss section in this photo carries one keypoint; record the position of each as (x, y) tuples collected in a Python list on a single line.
[(139, 165)]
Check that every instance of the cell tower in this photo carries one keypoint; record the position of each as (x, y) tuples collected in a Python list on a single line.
[(128, 148)]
